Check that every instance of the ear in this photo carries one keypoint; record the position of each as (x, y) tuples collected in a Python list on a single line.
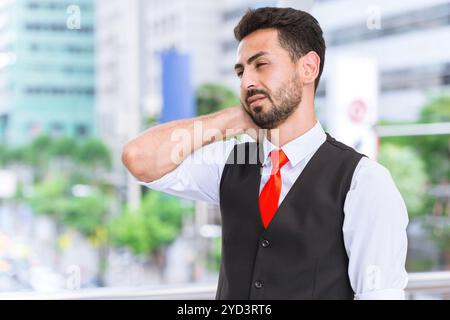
[(310, 66)]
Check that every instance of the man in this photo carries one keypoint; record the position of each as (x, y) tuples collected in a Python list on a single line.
[(303, 215)]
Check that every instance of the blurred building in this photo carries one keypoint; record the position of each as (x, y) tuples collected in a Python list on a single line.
[(46, 68), (407, 39), (120, 81), (190, 27)]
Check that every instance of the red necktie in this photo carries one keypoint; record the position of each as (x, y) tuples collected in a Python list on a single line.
[(270, 194)]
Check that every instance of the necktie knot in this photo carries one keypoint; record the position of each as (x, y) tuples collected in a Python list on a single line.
[(279, 159)]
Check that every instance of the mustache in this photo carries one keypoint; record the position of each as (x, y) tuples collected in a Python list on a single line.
[(253, 92)]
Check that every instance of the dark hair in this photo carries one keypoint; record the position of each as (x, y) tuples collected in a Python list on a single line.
[(298, 31)]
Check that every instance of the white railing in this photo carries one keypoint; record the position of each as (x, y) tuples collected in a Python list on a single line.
[(426, 285), (431, 284), (417, 129), (163, 292)]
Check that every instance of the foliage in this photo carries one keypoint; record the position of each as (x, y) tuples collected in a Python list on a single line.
[(54, 197), (44, 150), (408, 171), (439, 231), (93, 153), (150, 121), (4, 154), (214, 97), (64, 147), (215, 254), (155, 223), (436, 148), (53, 184), (433, 149), (437, 110)]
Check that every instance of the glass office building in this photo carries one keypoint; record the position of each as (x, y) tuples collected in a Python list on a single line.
[(47, 79)]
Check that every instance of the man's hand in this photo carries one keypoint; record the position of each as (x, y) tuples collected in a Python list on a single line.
[(248, 125)]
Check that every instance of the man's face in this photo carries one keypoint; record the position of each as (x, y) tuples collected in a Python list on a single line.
[(271, 89)]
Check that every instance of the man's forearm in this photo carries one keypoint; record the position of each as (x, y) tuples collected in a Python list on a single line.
[(162, 148)]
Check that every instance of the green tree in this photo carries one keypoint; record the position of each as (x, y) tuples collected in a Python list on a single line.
[(13, 155), (64, 147), (437, 110), (214, 97), (439, 231), (433, 149), (436, 148), (148, 229), (38, 155), (408, 171), (214, 254), (49, 198), (94, 155), (60, 165), (54, 197), (4, 155)]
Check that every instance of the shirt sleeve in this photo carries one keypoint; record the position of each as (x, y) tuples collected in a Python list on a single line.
[(375, 235), (198, 176)]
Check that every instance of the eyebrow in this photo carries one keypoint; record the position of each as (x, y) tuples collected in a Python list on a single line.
[(251, 59)]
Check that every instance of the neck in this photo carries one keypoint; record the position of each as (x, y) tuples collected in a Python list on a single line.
[(301, 121)]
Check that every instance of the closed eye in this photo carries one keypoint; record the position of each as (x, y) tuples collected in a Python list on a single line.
[(260, 65)]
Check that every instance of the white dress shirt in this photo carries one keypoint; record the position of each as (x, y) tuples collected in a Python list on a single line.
[(375, 214)]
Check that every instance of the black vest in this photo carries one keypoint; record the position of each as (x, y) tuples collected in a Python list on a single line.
[(301, 254)]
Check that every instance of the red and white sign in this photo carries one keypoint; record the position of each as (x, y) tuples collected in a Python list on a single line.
[(352, 99), (357, 110)]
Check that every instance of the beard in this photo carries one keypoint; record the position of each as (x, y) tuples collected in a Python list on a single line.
[(288, 97)]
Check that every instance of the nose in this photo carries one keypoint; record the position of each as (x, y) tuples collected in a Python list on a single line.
[(248, 81)]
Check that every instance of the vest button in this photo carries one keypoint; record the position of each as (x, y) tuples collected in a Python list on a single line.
[(258, 284), (265, 243)]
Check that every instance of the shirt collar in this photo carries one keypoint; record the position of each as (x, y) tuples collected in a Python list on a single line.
[(297, 149)]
